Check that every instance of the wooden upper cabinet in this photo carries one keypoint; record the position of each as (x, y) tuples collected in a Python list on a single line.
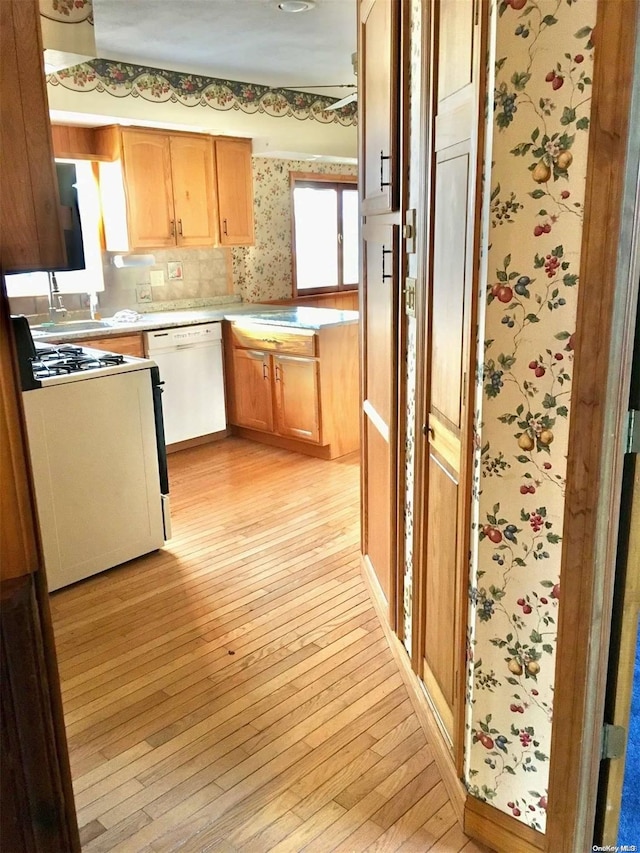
[(171, 189), (147, 171), (30, 229), (193, 190), (235, 191), (378, 76)]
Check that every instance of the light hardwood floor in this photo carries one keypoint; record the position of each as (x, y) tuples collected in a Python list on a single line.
[(235, 692)]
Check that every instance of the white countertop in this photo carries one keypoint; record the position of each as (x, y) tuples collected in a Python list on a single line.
[(305, 317)]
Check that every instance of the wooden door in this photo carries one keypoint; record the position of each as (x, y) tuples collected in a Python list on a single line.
[(147, 169), (194, 198), (235, 191), (443, 568), (252, 393), (297, 397), (378, 96), (379, 318)]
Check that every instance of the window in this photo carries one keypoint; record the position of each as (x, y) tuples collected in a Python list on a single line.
[(325, 232)]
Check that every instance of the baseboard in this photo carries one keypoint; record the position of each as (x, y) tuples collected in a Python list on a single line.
[(500, 831), (320, 452), (196, 442), (443, 758)]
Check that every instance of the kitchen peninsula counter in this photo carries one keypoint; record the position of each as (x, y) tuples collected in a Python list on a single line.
[(292, 378)]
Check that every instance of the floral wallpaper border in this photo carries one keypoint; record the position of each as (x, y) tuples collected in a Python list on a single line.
[(67, 11), (122, 80), (535, 168)]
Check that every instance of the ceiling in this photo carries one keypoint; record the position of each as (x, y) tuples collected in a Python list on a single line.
[(247, 40)]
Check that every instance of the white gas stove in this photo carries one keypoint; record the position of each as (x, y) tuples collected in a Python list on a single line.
[(96, 443)]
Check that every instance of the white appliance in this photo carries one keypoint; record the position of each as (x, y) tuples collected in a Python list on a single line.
[(190, 362), (94, 424)]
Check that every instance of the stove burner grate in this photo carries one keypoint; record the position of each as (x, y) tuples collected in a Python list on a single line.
[(65, 359)]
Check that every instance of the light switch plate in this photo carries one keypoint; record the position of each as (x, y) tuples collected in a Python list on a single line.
[(156, 277)]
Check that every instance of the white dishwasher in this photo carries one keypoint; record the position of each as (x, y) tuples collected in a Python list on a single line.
[(190, 362)]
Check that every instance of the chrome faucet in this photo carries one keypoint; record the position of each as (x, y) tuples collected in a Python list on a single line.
[(55, 299)]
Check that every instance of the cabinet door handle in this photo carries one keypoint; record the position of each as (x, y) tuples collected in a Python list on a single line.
[(265, 372), (277, 373), (384, 253), (383, 183), (180, 227), (224, 227), (173, 228)]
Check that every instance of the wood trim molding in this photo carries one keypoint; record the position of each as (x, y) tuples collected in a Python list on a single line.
[(423, 365), (442, 756), (196, 442), (17, 508), (306, 447), (318, 177), (500, 831), (591, 510)]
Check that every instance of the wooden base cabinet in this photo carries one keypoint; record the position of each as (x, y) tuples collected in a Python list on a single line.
[(252, 389), (297, 397), (295, 388)]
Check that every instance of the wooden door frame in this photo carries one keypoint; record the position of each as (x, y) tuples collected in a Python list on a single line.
[(607, 299), (423, 318), (600, 391)]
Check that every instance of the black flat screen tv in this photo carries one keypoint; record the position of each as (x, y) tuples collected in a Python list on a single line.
[(70, 217)]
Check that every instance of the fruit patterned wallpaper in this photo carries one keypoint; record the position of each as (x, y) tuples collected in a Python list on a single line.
[(537, 158), (415, 94), (263, 271)]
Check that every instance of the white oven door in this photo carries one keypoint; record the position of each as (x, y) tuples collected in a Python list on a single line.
[(93, 452)]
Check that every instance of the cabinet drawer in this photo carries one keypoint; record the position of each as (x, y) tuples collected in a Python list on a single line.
[(274, 339), (123, 344)]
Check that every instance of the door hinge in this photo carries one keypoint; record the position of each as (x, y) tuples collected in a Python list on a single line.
[(632, 437), (614, 741)]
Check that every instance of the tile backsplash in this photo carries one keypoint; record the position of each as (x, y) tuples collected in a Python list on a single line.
[(206, 279)]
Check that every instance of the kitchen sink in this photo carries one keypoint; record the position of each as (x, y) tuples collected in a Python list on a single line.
[(72, 326)]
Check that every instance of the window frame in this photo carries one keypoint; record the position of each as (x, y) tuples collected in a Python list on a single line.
[(312, 180)]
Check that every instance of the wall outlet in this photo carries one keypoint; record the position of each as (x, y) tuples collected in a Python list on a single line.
[(156, 277)]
